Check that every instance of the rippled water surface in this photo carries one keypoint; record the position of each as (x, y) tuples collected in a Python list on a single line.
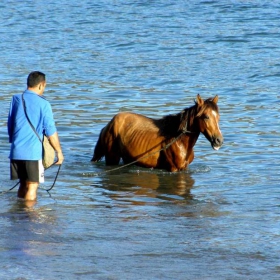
[(220, 219)]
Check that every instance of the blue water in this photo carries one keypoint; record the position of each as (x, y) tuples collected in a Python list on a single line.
[(217, 220)]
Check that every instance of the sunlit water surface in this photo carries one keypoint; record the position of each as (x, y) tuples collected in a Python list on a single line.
[(217, 220)]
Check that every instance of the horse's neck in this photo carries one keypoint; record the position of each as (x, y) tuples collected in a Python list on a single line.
[(188, 123), (175, 124), (189, 139), (189, 128)]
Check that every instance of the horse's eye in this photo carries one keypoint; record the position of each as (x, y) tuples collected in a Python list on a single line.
[(206, 117)]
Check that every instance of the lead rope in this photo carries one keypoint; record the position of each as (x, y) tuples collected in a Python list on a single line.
[(3, 192), (48, 190), (54, 178)]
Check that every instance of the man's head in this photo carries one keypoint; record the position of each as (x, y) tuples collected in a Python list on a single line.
[(36, 81)]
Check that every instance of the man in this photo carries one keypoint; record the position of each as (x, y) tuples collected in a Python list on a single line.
[(26, 148)]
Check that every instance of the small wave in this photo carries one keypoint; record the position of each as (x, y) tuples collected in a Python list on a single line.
[(194, 169)]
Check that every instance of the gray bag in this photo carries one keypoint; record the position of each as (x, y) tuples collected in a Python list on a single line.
[(48, 153)]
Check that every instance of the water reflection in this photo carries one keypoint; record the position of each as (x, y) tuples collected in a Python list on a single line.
[(26, 229), (140, 186)]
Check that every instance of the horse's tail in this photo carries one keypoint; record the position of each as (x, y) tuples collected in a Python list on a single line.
[(98, 150)]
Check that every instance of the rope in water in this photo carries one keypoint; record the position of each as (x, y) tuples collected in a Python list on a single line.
[(48, 190), (111, 170)]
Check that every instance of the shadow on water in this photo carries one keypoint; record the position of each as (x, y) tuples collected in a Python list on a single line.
[(142, 186)]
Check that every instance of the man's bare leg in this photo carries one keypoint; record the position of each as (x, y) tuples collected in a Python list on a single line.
[(28, 190)]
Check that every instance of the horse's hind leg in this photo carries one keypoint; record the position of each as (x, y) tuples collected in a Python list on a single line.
[(108, 145), (98, 150), (108, 148), (112, 158)]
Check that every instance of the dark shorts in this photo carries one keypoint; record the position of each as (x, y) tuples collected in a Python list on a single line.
[(28, 170)]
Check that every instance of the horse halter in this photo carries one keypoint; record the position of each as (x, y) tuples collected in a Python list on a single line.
[(185, 131)]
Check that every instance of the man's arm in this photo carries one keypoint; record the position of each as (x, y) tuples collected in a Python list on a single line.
[(54, 141)]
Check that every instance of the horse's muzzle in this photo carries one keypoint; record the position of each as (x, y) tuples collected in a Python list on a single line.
[(217, 142)]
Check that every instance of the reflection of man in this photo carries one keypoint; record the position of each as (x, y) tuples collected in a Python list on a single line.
[(26, 149)]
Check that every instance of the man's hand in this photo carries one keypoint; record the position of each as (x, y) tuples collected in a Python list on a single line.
[(60, 158)]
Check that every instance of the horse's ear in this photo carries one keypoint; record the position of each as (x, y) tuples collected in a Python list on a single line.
[(215, 99), (199, 101)]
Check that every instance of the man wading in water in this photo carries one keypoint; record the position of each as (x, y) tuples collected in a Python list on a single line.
[(26, 149)]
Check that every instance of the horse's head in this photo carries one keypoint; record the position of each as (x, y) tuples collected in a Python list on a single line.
[(208, 120)]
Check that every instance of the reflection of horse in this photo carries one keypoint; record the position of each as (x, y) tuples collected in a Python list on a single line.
[(136, 186), (179, 184), (163, 143)]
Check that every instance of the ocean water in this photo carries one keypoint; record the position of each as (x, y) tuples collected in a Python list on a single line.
[(220, 219)]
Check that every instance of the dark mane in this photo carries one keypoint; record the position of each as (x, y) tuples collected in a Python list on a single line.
[(174, 124)]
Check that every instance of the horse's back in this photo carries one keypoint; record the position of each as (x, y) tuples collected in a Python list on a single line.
[(128, 120), (129, 124)]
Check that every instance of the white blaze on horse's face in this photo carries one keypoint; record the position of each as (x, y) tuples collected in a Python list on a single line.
[(210, 128), (216, 118)]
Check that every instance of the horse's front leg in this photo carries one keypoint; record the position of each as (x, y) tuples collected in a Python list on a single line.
[(190, 156), (176, 158)]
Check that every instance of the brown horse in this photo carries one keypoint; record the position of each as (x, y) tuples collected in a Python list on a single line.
[(159, 143)]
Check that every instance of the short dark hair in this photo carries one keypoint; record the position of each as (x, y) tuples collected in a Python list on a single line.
[(35, 78)]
